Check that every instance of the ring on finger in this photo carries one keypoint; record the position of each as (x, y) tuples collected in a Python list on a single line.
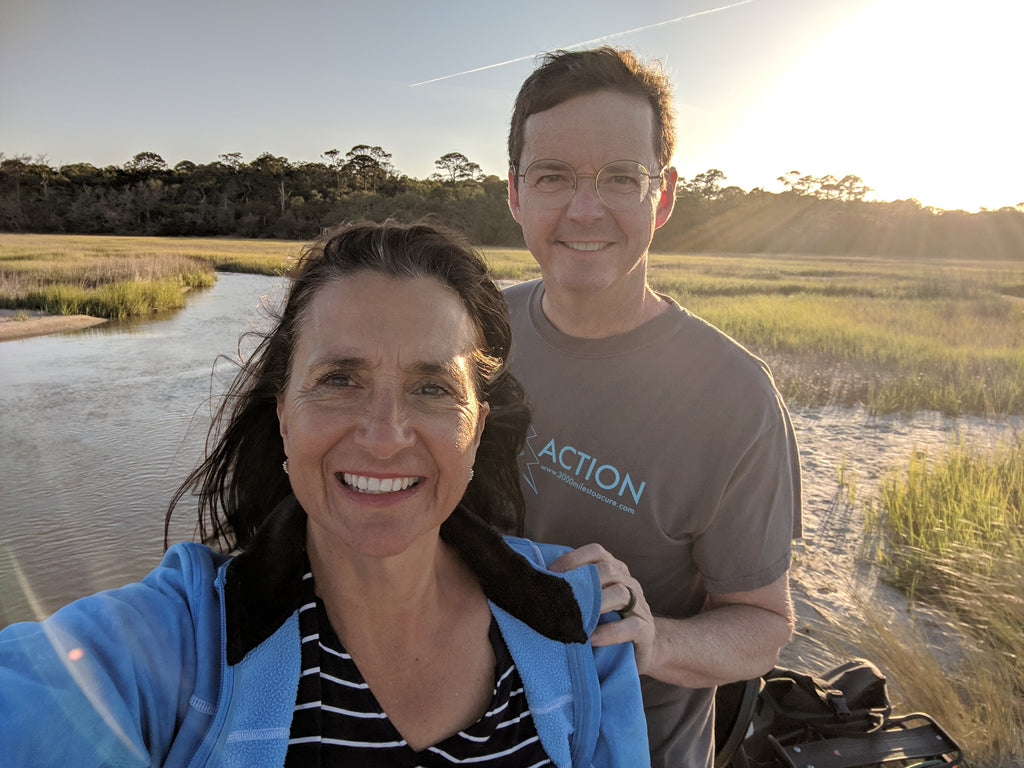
[(630, 605)]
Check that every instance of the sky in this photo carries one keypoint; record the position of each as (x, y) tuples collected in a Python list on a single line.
[(919, 98)]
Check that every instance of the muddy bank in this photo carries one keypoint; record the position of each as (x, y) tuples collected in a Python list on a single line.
[(14, 325)]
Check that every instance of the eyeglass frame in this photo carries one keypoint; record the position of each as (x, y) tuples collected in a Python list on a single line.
[(576, 178)]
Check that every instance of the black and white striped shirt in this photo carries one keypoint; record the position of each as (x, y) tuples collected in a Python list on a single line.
[(338, 721)]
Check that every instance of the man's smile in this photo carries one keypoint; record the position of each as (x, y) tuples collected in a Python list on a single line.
[(584, 246)]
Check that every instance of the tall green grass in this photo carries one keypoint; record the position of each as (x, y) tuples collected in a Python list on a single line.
[(949, 531), (890, 335), (511, 264), (978, 701), (113, 300), (229, 254), (892, 354), (947, 519), (115, 277)]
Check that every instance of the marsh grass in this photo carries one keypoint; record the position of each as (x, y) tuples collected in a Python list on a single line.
[(952, 530), (120, 277), (949, 533), (892, 336), (979, 703), (888, 334), (511, 264)]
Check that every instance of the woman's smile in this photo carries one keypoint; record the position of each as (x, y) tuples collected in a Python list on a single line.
[(377, 485)]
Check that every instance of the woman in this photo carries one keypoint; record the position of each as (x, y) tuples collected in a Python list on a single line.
[(373, 615)]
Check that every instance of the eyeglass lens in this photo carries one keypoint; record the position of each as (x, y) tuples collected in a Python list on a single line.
[(620, 185)]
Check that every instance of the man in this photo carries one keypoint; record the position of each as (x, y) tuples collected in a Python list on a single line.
[(660, 448)]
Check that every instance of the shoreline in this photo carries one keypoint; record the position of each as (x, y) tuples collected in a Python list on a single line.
[(40, 324)]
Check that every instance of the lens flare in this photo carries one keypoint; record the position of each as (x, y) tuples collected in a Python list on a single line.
[(69, 652)]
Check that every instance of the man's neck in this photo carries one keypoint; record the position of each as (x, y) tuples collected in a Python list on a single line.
[(597, 316)]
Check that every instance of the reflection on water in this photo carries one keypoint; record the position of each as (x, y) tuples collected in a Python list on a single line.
[(98, 427)]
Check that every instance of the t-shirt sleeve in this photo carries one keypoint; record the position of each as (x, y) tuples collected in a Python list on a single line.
[(748, 542)]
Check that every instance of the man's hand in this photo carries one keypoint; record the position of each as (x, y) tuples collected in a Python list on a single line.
[(737, 637), (637, 626)]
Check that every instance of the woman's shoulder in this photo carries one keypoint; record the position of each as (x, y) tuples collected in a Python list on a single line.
[(538, 553), (192, 564), (585, 582)]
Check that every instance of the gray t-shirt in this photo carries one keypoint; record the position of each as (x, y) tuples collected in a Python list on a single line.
[(670, 446)]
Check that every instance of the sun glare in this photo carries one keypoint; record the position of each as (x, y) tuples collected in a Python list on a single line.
[(917, 97)]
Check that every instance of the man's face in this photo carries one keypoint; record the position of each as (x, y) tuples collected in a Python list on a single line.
[(584, 247)]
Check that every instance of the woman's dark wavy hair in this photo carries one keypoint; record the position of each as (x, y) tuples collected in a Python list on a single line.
[(241, 479)]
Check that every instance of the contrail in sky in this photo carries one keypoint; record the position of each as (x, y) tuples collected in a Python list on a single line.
[(587, 42)]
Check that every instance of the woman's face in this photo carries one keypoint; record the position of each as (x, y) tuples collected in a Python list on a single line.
[(380, 419)]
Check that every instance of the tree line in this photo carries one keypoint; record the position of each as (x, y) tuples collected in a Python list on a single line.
[(273, 197)]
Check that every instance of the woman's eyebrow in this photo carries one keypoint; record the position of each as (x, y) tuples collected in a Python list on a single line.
[(340, 361), (448, 368)]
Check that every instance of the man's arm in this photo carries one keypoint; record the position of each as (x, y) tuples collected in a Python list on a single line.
[(737, 637)]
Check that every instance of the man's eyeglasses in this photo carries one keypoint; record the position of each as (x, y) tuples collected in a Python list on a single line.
[(620, 185)]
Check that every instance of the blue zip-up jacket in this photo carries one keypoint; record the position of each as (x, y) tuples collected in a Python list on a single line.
[(198, 664)]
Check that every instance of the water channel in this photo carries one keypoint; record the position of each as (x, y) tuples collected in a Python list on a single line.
[(98, 427)]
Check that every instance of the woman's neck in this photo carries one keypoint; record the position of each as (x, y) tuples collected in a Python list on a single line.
[(381, 591), (416, 626)]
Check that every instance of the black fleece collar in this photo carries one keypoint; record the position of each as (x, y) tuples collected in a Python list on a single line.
[(262, 585)]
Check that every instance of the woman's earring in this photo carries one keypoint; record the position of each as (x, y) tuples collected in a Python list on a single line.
[(471, 474), (284, 466)]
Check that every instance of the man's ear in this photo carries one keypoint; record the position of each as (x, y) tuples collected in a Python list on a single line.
[(513, 196), (667, 201)]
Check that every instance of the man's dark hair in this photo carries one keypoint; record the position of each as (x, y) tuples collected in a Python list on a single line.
[(241, 479), (563, 75)]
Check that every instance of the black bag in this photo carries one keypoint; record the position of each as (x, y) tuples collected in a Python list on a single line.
[(842, 719), (795, 707)]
